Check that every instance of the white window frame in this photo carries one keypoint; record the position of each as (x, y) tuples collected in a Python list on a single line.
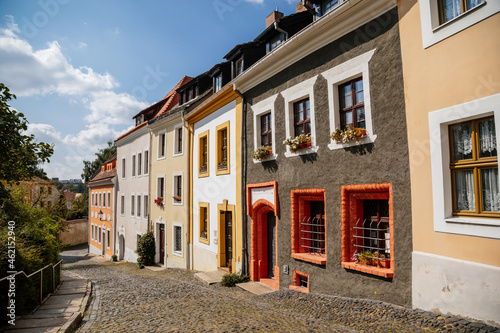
[(145, 164), (336, 76), (124, 169), (177, 253), (139, 164), (109, 199), (259, 109), (439, 121), (99, 241), (164, 187), (132, 204), (134, 160), (138, 208), (92, 200), (158, 156), (92, 231), (145, 207), (100, 199), (305, 89), (174, 185), (433, 33), (108, 238), (122, 204), (175, 151)]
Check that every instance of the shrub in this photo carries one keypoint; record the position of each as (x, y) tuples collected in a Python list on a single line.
[(146, 250), (231, 279)]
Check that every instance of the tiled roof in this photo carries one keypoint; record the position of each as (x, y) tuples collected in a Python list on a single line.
[(106, 175), (172, 98)]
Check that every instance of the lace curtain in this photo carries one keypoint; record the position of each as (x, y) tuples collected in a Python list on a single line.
[(491, 190), (462, 142), (487, 138), (450, 9), (473, 3), (464, 190)]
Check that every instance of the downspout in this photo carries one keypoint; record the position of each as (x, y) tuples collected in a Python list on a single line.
[(188, 201), (243, 181), (280, 30)]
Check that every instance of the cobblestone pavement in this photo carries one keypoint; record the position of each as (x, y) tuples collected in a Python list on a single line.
[(128, 299)]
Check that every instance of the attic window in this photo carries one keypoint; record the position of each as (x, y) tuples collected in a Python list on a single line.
[(217, 83), (238, 67), (274, 42)]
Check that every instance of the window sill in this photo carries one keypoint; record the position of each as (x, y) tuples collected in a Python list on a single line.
[(203, 175), (178, 254), (267, 159), (204, 241), (177, 203), (299, 289), (303, 151), (474, 221), (383, 272), (160, 158), (177, 154), (319, 259), (369, 139), (225, 171)]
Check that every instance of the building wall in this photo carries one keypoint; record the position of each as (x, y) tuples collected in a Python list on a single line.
[(214, 190), (173, 213), (94, 245), (130, 226), (76, 232), (383, 159), (454, 78)]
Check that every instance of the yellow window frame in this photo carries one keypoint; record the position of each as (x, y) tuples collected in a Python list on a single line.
[(201, 207), (201, 136), (218, 151)]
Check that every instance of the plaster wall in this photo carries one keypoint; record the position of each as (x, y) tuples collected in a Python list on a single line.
[(76, 232), (383, 159), (127, 224), (214, 189), (106, 223)]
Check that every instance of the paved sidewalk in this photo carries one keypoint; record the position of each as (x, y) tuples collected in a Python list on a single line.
[(61, 311)]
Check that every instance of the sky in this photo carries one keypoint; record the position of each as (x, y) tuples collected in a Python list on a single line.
[(82, 69)]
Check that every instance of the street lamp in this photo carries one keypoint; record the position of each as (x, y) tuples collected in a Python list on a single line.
[(100, 214)]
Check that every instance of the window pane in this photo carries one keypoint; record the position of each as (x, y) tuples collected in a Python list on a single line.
[(361, 117), (450, 9), (346, 100), (465, 198), (360, 97), (490, 190), (307, 111), (347, 118), (462, 142), (473, 3), (487, 138)]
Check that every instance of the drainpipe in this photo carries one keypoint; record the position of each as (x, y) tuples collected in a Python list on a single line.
[(243, 181), (280, 30), (187, 197)]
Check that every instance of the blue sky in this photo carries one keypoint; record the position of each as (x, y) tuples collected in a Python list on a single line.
[(82, 69)]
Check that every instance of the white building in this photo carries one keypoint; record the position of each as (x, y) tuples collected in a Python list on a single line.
[(133, 190)]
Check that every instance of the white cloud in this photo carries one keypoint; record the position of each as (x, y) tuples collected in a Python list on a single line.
[(111, 108), (255, 1), (44, 132), (81, 45)]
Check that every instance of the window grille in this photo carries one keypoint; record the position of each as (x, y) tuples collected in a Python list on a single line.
[(178, 239), (303, 281), (312, 234), (372, 237)]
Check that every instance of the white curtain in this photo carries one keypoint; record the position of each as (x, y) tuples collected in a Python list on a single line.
[(491, 190), (464, 190), (487, 138), (473, 3), (451, 9), (462, 141)]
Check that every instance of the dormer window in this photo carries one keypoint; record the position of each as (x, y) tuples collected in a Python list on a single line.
[(238, 67), (139, 120), (274, 42), (217, 83)]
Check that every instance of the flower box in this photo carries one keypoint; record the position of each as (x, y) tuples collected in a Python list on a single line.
[(159, 201), (298, 142), (177, 198), (349, 134), (203, 234), (262, 153), (203, 169), (222, 165)]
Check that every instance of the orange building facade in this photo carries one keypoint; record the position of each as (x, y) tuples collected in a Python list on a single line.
[(102, 219)]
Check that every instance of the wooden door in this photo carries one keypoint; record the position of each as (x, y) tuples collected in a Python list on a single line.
[(271, 244), (162, 244), (229, 237)]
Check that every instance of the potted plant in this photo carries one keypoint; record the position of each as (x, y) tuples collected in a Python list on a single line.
[(203, 234), (203, 168), (114, 257), (177, 198), (384, 262), (159, 201), (349, 134), (222, 165), (298, 142), (262, 152)]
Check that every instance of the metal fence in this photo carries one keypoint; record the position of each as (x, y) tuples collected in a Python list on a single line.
[(29, 291)]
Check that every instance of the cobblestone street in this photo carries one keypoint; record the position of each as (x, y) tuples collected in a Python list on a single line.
[(128, 299)]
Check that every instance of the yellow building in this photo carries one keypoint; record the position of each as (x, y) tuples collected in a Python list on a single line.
[(452, 89)]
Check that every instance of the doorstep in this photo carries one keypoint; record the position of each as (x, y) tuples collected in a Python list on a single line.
[(210, 277), (256, 288)]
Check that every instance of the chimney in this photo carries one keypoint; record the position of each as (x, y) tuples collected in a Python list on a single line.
[(301, 8), (273, 17)]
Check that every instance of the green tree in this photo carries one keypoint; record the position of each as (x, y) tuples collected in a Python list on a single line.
[(20, 154), (102, 156)]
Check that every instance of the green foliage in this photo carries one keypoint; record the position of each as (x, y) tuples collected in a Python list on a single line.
[(20, 154), (146, 250), (231, 279), (102, 156)]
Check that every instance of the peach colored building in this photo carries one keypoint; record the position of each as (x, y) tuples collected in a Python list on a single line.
[(452, 93), (102, 186)]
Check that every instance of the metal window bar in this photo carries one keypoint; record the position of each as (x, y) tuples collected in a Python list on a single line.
[(378, 238), (312, 234)]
